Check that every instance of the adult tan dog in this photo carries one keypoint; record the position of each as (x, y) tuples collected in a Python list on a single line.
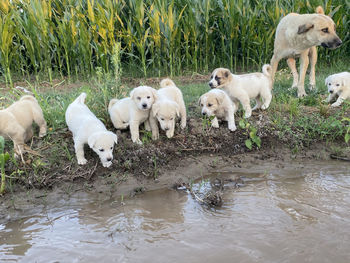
[(87, 129), (16, 122), (297, 35), (169, 105), (242, 88), (217, 103), (132, 111), (338, 86)]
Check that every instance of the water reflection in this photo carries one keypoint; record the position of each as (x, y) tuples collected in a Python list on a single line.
[(277, 214)]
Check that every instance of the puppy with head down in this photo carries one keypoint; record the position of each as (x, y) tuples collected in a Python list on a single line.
[(217, 103), (170, 104), (242, 88), (16, 122), (132, 111), (87, 129), (338, 86)]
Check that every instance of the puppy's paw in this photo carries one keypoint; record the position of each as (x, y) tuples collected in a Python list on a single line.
[(215, 124), (155, 136), (335, 104), (107, 164), (264, 107), (247, 115), (312, 86), (82, 161), (232, 127), (41, 135), (301, 94), (183, 125), (138, 141), (169, 134)]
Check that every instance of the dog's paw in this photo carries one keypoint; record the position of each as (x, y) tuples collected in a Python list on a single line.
[(183, 125), (169, 134), (107, 164), (301, 94), (82, 161), (215, 124), (335, 104), (155, 136), (247, 115), (232, 127), (312, 86), (138, 141)]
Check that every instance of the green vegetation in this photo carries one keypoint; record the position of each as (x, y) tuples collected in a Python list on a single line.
[(4, 156), (165, 37)]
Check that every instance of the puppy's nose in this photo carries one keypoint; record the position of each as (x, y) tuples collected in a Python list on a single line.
[(166, 128), (144, 105), (204, 113), (109, 159), (331, 91), (211, 84)]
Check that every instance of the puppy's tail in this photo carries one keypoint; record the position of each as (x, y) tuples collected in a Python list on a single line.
[(167, 83), (267, 69), (111, 103), (29, 97), (81, 98)]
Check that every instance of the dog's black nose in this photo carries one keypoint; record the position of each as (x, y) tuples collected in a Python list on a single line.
[(166, 129), (210, 84), (144, 105), (331, 91), (204, 113), (109, 159)]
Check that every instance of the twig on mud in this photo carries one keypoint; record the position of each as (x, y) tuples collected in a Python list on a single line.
[(199, 149)]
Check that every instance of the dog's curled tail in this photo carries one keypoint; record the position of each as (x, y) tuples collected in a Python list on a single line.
[(29, 97), (81, 98), (111, 103), (167, 83), (319, 10), (266, 69)]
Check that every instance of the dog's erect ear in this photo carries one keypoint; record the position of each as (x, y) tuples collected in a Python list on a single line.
[(92, 140), (304, 28), (155, 109), (220, 98), (319, 10)]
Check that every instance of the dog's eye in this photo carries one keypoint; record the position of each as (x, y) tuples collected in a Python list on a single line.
[(139, 98), (329, 84), (217, 78), (338, 85), (148, 97), (111, 148), (209, 105), (102, 150), (325, 30), (201, 104), (162, 119), (171, 119)]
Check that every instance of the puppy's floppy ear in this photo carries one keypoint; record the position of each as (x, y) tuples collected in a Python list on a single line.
[(345, 82), (199, 100), (319, 10), (154, 93), (155, 109), (304, 28), (92, 140), (115, 137), (227, 73), (220, 98), (326, 81), (132, 94)]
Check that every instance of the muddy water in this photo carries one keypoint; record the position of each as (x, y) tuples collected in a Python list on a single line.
[(299, 213)]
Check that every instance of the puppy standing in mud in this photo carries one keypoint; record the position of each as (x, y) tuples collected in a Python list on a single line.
[(338, 86), (87, 129), (242, 88), (217, 103), (133, 111), (170, 104), (16, 122), (297, 35)]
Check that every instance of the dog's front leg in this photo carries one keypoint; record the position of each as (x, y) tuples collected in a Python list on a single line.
[(154, 127), (304, 63), (330, 97), (313, 61), (147, 126), (338, 102), (293, 68), (79, 152), (274, 64), (215, 123), (231, 120), (183, 116), (134, 130)]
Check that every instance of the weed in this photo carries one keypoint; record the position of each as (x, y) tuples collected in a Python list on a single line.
[(4, 156), (251, 132)]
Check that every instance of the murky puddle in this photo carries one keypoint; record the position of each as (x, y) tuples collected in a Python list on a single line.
[(299, 213)]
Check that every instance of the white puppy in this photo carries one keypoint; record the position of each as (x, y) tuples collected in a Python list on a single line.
[(217, 103), (338, 86), (86, 128), (132, 111), (16, 122), (169, 105), (242, 88)]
